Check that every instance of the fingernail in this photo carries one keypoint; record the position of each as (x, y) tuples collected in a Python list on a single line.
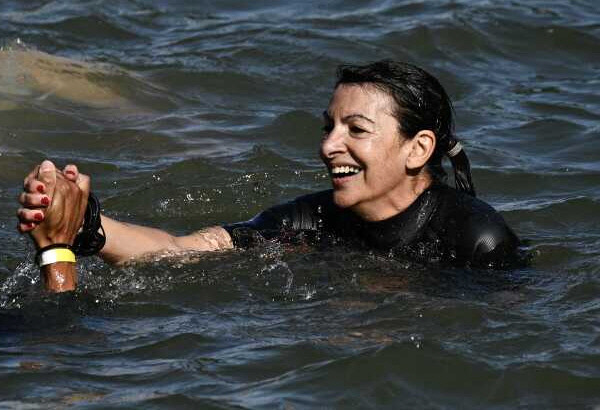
[(38, 217), (30, 225), (40, 189), (45, 200), (70, 172)]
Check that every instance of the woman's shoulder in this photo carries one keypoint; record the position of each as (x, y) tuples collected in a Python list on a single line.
[(464, 205), (479, 233)]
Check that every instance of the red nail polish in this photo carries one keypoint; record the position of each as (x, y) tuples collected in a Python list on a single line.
[(45, 200), (40, 189), (38, 217), (30, 225), (70, 172)]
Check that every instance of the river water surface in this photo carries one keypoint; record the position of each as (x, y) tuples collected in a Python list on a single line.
[(189, 114)]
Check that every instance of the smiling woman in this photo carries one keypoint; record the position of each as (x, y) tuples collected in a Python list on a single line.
[(363, 134), (387, 128)]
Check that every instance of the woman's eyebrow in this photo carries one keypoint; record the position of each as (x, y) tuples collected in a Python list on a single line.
[(327, 117), (351, 116)]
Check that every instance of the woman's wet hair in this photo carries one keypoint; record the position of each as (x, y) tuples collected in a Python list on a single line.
[(421, 104)]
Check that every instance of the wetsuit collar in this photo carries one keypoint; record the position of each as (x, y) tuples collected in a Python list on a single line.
[(405, 227)]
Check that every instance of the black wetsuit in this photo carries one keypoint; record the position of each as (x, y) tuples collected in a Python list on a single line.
[(441, 226)]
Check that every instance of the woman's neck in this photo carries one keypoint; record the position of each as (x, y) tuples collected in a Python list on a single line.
[(394, 202)]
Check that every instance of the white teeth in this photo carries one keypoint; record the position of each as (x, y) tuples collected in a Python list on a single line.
[(345, 170)]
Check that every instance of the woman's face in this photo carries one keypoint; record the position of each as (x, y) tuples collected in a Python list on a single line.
[(364, 152)]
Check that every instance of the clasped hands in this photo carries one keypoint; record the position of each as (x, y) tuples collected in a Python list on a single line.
[(53, 204)]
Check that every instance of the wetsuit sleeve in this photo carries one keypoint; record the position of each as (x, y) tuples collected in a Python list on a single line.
[(265, 226), (291, 222), (490, 243)]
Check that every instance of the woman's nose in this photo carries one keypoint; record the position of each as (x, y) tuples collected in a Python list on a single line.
[(333, 143)]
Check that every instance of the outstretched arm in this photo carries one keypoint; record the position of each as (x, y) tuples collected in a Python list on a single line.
[(126, 242), (54, 205)]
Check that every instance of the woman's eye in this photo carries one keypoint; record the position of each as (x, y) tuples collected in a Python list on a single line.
[(356, 130)]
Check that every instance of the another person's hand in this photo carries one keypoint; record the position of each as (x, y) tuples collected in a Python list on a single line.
[(53, 203)]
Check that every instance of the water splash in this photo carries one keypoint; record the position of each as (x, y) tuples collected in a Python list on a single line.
[(18, 286)]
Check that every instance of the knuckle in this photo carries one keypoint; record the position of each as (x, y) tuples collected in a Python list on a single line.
[(61, 185), (74, 188), (31, 184)]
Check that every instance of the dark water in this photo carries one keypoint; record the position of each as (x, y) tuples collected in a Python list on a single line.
[(189, 114)]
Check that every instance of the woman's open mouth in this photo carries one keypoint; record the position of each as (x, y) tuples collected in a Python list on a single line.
[(341, 174)]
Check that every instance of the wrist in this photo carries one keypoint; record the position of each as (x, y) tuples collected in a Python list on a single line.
[(43, 240), (57, 266), (57, 252), (59, 276)]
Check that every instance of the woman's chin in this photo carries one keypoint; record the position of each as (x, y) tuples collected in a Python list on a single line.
[(343, 199)]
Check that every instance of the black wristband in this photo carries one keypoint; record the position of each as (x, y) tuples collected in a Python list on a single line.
[(89, 240)]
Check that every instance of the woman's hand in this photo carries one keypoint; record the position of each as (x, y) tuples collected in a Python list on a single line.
[(53, 203)]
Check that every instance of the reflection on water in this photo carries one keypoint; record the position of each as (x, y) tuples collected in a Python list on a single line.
[(188, 115), (26, 72)]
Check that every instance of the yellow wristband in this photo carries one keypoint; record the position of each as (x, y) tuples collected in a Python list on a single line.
[(56, 255)]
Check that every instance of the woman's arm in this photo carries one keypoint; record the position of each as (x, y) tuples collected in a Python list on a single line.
[(53, 207), (128, 242)]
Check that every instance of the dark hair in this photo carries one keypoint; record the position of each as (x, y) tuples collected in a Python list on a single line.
[(422, 104)]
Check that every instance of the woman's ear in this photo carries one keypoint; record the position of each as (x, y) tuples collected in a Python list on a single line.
[(423, 145)]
